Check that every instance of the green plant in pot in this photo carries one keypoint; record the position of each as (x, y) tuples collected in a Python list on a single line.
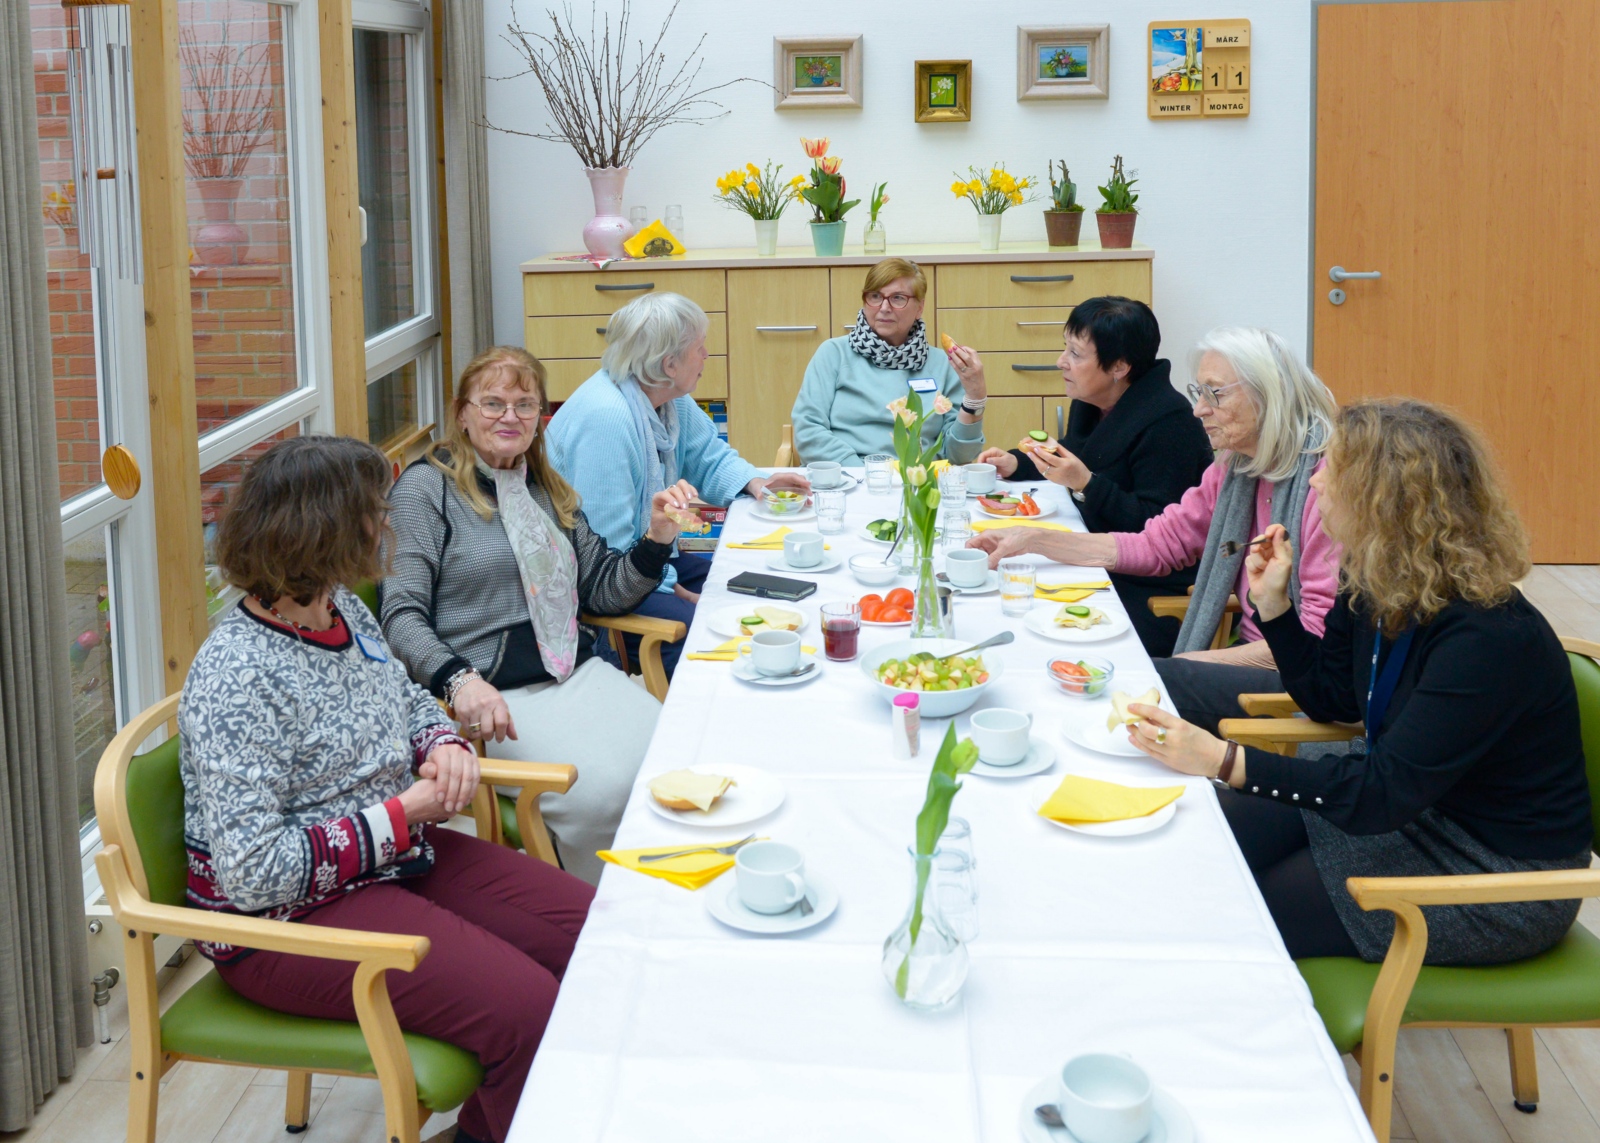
[(825, 192), (1117, 214), (1063, 218)]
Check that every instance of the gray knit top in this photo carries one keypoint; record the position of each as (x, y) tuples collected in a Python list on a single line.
[(454, 599)]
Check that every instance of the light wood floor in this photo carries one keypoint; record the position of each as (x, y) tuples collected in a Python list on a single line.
[(1450, 1086)]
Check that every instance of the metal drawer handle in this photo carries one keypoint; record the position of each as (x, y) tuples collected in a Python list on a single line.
[(1041, 278), (786, 329), (626, 286), (1041, 323), (1034, 369), (600, 329)]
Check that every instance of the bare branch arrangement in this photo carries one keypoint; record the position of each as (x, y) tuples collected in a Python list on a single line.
[(602, 105), (227, 105)]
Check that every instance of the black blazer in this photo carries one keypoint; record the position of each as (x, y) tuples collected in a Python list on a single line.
[(1144, 455), (1483, 725)]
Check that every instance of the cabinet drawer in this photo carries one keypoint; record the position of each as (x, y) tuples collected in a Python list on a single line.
[(1023, 374), (1008, 419), (606, 291), (585, 336), (1035, 328), (564, 375), (1040, 283)]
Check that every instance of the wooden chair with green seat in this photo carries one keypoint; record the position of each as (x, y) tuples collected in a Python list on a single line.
[(1363, 1006), (1177, 606)]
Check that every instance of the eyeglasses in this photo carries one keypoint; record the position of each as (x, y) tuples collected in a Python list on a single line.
[(896, 301), (494, 408), (1211, 395)]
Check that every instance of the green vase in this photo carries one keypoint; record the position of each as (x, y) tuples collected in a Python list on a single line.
[(827, 238)]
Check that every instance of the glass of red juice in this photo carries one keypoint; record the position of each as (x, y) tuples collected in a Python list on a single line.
[(841, 630)]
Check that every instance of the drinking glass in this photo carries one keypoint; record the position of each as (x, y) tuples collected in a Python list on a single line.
[(955, 527), (674, 221), (841, 630), (880, 482), (957, 836), (830, 510), (953, 487), (956, 884), (640, 217), (1016, 586)]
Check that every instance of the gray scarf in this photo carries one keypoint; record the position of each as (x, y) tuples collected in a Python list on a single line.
[(1233, 519), (658, 429), (910, 355)]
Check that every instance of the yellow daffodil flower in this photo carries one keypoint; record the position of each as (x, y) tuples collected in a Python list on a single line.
[(958, 189)]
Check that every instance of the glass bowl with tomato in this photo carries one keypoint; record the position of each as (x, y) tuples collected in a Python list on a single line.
[(892, 609), (1082, 676)]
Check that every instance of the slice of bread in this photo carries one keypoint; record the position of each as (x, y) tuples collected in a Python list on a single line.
[(1119, 715), (686, 790), (946, 342), (772, 619)]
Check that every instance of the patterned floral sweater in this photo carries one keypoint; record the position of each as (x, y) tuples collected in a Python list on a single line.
[(294, 752)]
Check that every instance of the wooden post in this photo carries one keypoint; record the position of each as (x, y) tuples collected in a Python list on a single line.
[(169, 335), (342, 188)]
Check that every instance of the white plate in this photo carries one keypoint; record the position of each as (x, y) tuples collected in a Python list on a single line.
[(1046, 508), (809, 512), (722, 902), (1040, 757), (1126, 827), (1170, 1122), (744, 669), (757, 794), (990, 583), (1041, 621), (886, 626), (1085, 724), (778, 561), (725, 621)]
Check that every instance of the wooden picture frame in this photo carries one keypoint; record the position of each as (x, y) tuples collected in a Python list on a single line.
[(816, 71), (1080, 63), (944, 91)]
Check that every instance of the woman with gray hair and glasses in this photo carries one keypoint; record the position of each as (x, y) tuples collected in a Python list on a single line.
[(633, 429), (1267, 417)]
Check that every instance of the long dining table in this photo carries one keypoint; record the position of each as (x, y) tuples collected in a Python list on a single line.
[(672, 1026)]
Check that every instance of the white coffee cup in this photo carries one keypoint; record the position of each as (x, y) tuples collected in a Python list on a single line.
[(773, 652), (771, 876), (802, 549), (1001, 735), (980, 478), (825, 473), (1105, 1099), (967, 567)]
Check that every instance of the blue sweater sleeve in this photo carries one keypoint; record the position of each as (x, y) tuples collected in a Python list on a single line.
[(962, 443), (812, 415), (717, 471)]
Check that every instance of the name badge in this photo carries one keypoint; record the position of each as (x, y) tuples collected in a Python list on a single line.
[(924, 385), (371, 648)]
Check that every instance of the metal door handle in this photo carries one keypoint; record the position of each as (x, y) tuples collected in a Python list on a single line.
[(1041, 278), (627, 286), (1034, 369), (1042, 323), (1340, 274), (786, 329)]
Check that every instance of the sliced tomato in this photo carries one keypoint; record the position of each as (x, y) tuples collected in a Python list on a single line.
[(901, 597), (866, 599), (871, 611)]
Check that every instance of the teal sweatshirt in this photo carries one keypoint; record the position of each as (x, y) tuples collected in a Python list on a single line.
[(842, 410), (593, 443)]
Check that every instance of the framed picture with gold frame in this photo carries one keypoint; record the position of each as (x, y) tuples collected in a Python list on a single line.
[(944, 91), (816, 72), (1064, 62)]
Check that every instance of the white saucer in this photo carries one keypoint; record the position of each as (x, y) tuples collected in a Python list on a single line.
[(1046, 508), (991, 583), (1126, 827), (757, 794), (779, 561), (809, 512), (1040, 757), (722, 902), (846, 483), (1170, 1122), (745, 670), (725, 621), (1041, 621)]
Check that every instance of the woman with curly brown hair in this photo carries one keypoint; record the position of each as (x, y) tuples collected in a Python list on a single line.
[(1473, 761)]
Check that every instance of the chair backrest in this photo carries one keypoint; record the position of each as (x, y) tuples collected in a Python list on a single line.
[(154, 794), (367, 592), (787, 456), (1586, 677)]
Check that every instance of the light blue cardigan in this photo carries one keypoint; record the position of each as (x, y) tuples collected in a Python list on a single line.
[(842, 411), (594, 445)]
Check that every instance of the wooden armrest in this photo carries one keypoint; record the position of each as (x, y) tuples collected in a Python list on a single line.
[(1268, 705), (669, 630), (378, 950), (1474, 888), (1285, 730), (1177, 606), (545, 777)]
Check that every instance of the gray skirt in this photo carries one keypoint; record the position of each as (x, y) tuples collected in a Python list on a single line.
[(1434, 845)]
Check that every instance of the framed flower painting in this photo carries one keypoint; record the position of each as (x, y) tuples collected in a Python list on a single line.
[(816, 72), (1063, 62)]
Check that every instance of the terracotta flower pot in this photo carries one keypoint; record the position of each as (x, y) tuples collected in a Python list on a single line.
[(221, 241), (1061, 227), (1116, 230)]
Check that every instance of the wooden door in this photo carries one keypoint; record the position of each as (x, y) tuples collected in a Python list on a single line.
[(776, 320), (1457, 145)]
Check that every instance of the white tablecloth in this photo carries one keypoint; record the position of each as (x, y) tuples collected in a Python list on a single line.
[(671, 1026)]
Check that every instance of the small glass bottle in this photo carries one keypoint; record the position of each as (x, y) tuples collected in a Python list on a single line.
[(907, 733), (874, 240)]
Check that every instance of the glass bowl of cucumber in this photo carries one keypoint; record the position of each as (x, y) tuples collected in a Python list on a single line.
[(1081, 676)]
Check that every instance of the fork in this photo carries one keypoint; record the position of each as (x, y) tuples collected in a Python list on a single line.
[(734, 847)]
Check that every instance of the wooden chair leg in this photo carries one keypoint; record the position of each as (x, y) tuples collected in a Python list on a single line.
[(144, 1037), (1524, 1070), (297, 1104)]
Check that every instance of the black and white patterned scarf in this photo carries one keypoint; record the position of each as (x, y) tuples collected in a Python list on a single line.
[(912, 355)]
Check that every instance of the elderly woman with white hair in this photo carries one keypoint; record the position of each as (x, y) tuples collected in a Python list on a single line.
[(1267, 417), (633, 429)]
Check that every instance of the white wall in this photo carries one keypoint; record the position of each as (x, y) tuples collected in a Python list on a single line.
[(1223, 202)]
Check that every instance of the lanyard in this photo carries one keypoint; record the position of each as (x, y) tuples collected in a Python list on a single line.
[(1381, 688)]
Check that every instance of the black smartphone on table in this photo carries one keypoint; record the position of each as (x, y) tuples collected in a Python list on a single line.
[(771, 586)]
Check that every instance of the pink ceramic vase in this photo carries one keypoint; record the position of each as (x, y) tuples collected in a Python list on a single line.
[(605, 232)]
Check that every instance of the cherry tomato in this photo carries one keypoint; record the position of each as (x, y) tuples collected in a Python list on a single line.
[(892, 614), (901, 597)]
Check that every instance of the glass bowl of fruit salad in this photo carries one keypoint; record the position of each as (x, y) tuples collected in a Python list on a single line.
[(1082, 676), (948, 684)]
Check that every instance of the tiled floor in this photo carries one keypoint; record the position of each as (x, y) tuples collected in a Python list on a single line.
[(1451, 1086)]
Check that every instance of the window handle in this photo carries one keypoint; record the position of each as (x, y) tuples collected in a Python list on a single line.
[(1041, 277), (626, 286)]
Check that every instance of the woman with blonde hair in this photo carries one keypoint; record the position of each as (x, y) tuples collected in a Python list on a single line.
[(1473, 760), (493, 561)]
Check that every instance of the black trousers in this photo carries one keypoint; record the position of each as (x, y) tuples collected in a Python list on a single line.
[(1205, 693), (1273, 840)]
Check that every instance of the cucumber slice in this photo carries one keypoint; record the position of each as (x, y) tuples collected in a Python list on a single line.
[(1077, 609), (752, 621), (1039, 435)]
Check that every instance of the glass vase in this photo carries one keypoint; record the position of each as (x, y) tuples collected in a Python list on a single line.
[(923, 960), (876, 239), (927, 617)]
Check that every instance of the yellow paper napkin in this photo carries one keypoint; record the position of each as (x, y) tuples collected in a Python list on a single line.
[(1012, 522), (1080, 799), (729, 651), (691, 870), (1068, 592), (771, 542)]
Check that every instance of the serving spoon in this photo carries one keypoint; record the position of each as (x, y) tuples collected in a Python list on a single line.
[(999, 640)]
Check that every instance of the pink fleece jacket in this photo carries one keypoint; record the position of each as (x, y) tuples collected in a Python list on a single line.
[(1177, 539)]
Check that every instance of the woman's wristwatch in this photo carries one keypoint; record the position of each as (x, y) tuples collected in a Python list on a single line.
[(1225, 771)]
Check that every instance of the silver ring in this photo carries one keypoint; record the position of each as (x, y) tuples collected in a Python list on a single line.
[(1161, 736)]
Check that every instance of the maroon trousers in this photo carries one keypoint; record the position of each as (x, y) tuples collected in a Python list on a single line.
[(502, 927)]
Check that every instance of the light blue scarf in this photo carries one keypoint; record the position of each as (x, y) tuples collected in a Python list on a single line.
[(658, 429)]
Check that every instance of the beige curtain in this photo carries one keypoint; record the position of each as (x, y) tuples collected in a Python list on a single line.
[(45, 1010), (466, 159)]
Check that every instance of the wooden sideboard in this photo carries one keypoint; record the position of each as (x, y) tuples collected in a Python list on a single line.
[(769, 315)]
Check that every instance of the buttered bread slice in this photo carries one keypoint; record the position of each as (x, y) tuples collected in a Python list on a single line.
[(1120, 715), (686, 790)]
